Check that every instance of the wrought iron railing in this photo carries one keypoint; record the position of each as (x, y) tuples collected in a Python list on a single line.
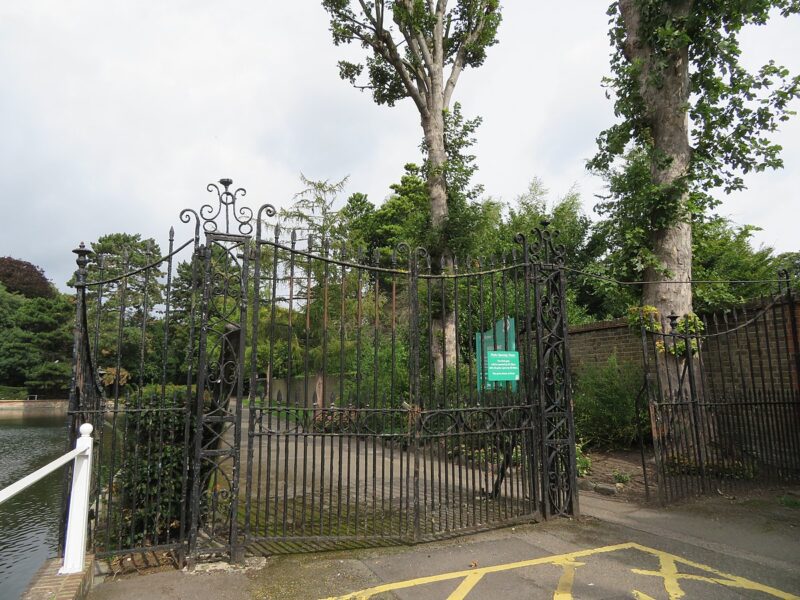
[(725, 399)]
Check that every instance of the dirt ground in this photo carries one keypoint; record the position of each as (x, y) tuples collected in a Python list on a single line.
[(623, 469)]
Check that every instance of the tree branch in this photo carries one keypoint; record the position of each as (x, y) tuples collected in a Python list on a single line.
[(421, 46), (458, 62), (384, 45)]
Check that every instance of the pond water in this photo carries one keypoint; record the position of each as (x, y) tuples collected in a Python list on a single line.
[(29, 521)]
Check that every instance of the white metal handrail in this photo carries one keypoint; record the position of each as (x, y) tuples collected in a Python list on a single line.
[(77, 520)]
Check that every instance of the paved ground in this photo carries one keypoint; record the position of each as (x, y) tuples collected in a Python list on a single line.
[(713, 549)]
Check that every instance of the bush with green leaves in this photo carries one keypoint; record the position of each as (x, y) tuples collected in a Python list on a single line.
[(583, 463), (8, 392), (150, 479), (605, 404)]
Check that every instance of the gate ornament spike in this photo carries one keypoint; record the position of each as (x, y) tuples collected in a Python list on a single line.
[(544, 248), (225, 217), (241, 219)]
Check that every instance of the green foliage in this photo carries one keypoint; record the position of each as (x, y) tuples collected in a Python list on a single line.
[(644, 316), (150, 477), (604, 404), (789, 262), (583, 462), (621, 476), (731, 109), (36, 342), (393, 67), (403, 217), (8, 392), (619, 245), (129, 303), (724, 252), (312, 210), (732, 114), (458, 234), (687, 326), (789, 501), (459, 137)]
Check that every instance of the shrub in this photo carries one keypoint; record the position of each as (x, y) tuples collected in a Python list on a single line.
[(150, 478), (604, 401), (621, 476), (8, 392), (582, 462)]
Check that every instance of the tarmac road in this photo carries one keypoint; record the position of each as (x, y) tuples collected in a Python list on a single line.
[(709, 550)]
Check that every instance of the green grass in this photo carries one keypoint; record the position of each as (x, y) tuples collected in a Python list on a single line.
[(789, 501)]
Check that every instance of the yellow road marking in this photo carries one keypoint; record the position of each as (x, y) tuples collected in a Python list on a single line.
[(388, 587), (564, 589), (721, 578), (465, 587), (668, 571)]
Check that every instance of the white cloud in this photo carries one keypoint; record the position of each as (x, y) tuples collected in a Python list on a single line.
[(116, 114)]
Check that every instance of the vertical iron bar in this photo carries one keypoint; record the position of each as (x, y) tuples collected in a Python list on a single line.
[(253, 391), (414, 383), (205, 252), (273, 411)]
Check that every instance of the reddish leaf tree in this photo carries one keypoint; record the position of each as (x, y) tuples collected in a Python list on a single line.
[(25, 278)]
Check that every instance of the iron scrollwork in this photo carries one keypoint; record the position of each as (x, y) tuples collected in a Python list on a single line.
[(547, 257), (226, 217)]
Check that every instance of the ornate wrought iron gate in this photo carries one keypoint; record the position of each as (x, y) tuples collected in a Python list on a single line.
[(331, 397)]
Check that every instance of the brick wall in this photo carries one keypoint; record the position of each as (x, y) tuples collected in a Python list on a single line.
[(594, 343), (759, 356)]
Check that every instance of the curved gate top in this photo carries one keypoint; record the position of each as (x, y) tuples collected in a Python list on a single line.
[(269, 390)]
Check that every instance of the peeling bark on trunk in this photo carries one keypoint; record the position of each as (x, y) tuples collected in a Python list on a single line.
[(433, 127), (666, 99)]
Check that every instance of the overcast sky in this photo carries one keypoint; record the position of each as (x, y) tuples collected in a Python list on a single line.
[(115, 115)]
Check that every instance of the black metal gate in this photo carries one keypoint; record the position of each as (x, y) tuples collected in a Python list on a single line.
[(724, 395), (328, 397)]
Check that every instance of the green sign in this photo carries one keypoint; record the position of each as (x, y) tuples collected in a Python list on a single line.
[(502, 365), (501, 337)]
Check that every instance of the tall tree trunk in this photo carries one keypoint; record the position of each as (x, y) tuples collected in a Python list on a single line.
[(666, 99), (443, 345), (664, 88), (437, 157)]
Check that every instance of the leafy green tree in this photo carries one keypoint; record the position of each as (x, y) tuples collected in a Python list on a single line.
[(533, 209), (724, 252), (790, 263), (403, 217), (312, 211), (410, 45), (128, 302), (695, 118), (36, 341), (419, 50), (620, 245)]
